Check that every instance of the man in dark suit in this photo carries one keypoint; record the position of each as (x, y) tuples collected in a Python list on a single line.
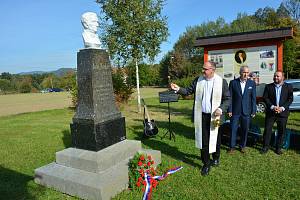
[(211, 101), (242, 106), (278, 97)]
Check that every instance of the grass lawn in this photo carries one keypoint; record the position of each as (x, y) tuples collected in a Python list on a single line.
[(30, 140), (12, 104)]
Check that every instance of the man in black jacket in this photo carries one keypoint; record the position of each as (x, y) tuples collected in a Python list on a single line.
[(278, 97), (211, 101)]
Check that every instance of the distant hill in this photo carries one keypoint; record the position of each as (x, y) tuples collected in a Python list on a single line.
[(33, 72), (63, 71), (59, 72)]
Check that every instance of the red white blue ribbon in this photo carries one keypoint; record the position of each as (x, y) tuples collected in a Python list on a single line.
[(148, 178)]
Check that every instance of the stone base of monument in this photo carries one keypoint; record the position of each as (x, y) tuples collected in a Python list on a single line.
[(92, 175), (96, 136)]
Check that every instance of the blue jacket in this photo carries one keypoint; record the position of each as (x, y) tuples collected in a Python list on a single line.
[(242, 103)]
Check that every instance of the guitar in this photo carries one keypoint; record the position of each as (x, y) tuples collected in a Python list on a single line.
[(150, 128)]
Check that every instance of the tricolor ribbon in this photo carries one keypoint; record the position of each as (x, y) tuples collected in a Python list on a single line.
[(148, 178)]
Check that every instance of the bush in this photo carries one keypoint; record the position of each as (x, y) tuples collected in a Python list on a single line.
[(5, 86), (122, 88), (148, 74), (185, 82), (74, 94)]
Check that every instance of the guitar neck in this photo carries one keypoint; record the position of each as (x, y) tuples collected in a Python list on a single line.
[(147, 113), (146, 109)]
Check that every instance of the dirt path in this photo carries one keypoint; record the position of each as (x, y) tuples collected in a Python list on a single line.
[(32, 102)]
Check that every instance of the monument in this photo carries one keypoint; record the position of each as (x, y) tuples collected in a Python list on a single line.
[(97, 123), (96, 167)]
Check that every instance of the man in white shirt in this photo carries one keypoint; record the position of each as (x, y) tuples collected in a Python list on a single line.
[(242, 106), (211, 100), (278, 97)]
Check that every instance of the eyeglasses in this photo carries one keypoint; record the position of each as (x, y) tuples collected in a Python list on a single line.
[(205, 69)]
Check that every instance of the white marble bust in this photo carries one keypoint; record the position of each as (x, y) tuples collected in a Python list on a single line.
[(90, 24)]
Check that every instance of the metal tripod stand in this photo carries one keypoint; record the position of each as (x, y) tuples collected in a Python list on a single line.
[(169, 131)]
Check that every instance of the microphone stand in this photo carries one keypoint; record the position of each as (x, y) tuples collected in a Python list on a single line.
[(169, 131)]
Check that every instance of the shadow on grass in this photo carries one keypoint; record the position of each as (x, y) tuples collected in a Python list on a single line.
[(14, 185), (172, 151), (67, 138), (162, 145), (163, 108), (177, 127)]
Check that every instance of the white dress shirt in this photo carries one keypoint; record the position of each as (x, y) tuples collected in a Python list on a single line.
[(243, 85), (207, 92)]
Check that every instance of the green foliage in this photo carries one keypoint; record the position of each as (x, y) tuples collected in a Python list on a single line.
[(282, 11), (25, 85), (122, 88), (289, 59), (133, 29), (74, 94), (148, 74), (51, 81), (6, 75), (5, 86), (185, 82), (293, 8), (68, 80), (36, 82), (245, 23), (164, 68)]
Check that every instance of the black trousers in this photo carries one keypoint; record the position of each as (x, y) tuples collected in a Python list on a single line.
[(281, 126), (205, 157)]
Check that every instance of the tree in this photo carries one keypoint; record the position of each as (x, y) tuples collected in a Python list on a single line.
[(68, 80), (293, 7), (6, 75), (133, 30), (51, 81), (25, 84), (282, 11), (244, 23), (185, 60), (5, 86), (289, 58)]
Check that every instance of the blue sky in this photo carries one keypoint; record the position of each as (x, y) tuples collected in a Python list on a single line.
[(41, 35)]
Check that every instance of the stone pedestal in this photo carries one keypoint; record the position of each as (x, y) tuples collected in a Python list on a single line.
[(97, 122), (92, 175)]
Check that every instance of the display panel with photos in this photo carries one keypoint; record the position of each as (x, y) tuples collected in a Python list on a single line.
[(262, 62)]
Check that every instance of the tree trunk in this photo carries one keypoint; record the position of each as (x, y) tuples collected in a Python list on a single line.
[(138, 86)]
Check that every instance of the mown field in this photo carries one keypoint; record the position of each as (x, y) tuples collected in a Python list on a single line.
[(31, 102), (30, 140)]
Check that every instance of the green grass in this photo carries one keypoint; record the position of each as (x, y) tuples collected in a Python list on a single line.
[(29, 141)]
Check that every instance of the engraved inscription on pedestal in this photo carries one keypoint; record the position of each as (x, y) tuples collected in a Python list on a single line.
[(96, 112)]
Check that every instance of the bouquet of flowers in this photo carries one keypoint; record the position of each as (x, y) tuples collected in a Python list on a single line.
[(138, 166)]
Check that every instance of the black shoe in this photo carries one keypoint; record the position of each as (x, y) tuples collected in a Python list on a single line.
[(278, 151), (264, 150), (215, 163), (243, 150), (205, 170)]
